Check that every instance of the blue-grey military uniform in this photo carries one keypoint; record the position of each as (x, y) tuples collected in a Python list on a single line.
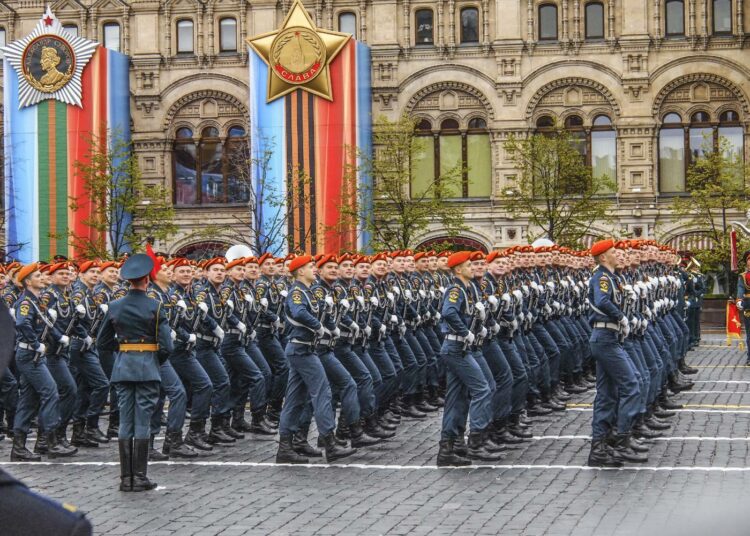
[(617, 390), (743, 303)]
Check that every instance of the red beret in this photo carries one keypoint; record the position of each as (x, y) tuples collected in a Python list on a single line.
[(290, 257), (325, 259), (476, 256), (236, 262), (216, 260), (26, 271), (279, 260), (107, 264), (420, 255), (57, 267), (458, 258), (251, 260), (345, 257), (491, 256), (263, 258), (444, 254), (601, 246), (407, 253), (394, 254), (379, 257), (87, 265), (362, 259), (180, 261), (299, 262)]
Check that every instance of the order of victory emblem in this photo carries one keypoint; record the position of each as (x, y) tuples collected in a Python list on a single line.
[(48, 63)]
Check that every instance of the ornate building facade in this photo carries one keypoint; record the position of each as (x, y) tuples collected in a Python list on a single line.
[(641, 83)]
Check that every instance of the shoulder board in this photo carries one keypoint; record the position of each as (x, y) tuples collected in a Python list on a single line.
[(297, 297), (319, 293)]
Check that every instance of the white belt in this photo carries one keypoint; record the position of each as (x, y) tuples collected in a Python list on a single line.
[(306, 343), (234, 332), (607, 325), (458, 338), (206, 337), (26, 346)]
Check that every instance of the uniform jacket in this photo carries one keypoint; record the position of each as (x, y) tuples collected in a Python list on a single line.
[(302, 309), (605, 296), (458, 308)]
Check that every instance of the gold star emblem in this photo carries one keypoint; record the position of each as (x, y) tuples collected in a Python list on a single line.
[(298, 55)]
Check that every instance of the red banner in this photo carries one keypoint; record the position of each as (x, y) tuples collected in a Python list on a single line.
[(734, 320), (733, 249)]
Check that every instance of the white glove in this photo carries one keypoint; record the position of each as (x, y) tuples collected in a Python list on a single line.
[(264, 303), (624, 322), (192, 338), (242, 327), (203, 307), (219, 332), (647, 313), (336, 333), (480, 307), (506, 301), (390, 296), (687, 303), (493, 303), (181, 305), (354, 327), (427, 315), (396, 290), (438, 316), (529, 317), (514, 324), (422, 293), (173, 335), (518, 294), (739, 305), (248, 298), (565, 283), (402, 329), (361, 301), (104, 308), (644, 324), (277, 323), (547, 309), (374, 301), (495, 329), (81, 310), (408, 294), (64, 341), (12, 312), (345, 304), (368, 331), (470, 338), (626, 331), (483, 333), (252, 335), (42, 348), (329, 301), (534, 286), (382, 329), (556, 305), (394, 319), (321, 331), (569, 311), (52, 313), (551, 286), (284, 293), (87, 342), (230, 304)]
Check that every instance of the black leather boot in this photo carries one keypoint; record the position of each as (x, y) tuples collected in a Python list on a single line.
[(154, 454), (636, 445), (409, 409), (40, 445), (287, 453), (195, 436), (93, 432), (666, 403), (228, 430), (140, 466), (217, 436), (238, 420), (535, 408), (62, 436), (601, 455), (655, 424), (113, 428), (19, 452), (373, 428), (335, 451), (360, 438), (79, 437), (550, 403), (126, 464), (421, 403), (177, 447), (447, 456), (459, 445), (500, 434), (478, 451), (302, 447), (434, 398), (685, 368), (622, 450), (516, 429), (259, 425), (55, 449)]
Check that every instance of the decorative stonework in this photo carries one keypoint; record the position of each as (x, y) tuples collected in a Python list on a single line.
[(190, 105), (564, 91), (694, 88), (469, 97)]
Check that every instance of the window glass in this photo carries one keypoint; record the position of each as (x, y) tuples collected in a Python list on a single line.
[(184, 36), (72, 29), (2, 40), (423, 27), (701, 141), (548, 22), (449, 124), (212, 176), (422, 165), (594, 21), (111, 33), (228, 35), (604, 154), (236, 132), (545, 122), (470, 25), (238, 170), (450, 162), (722, 16), (210, 132), (672, 160), (730, 116), (675, 21), (735, 137), (477, 122), (602, 121), (479, 160), (672, 118), (185, 174), (348, 23)]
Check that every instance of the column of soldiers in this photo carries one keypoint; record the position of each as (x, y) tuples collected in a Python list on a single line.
[(361, 344)]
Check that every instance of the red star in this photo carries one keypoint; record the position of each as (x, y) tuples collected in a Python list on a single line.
[(48, 20)]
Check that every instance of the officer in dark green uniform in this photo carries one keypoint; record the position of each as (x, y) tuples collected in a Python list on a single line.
[(137, 330)]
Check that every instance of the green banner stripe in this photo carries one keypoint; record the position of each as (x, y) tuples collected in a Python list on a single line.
[(61, 171), (43, 179)]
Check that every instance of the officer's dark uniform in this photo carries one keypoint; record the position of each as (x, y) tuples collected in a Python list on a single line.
[(743, 303), (137, 329)]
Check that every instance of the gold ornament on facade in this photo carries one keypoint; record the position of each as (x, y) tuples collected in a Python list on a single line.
[(298, 55), (48, 63)]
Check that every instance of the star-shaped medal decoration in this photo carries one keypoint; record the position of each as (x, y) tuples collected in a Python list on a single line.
[(298, 55), (49, 62)]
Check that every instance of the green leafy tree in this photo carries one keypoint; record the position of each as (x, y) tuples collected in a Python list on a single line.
[(124, 211), (555, 189), (396, 210), (718, 193)]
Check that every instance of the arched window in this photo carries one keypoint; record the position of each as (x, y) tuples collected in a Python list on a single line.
[(603, 148), (423, 27), (470, 25), (72, 29), (545, 122), (3, 39), (478, 162), (547, 22), (228, 35), (594, 20), (674, 18), (672, 160), (111, 36), (574, 125), (701, 135), (722, 16), (185, 37), (348, 23), (207, 171)]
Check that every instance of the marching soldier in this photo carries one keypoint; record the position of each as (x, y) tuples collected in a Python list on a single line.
[(743, 300), (137, 329)]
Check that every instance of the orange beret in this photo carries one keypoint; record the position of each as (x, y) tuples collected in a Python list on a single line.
[(345, 257), (263, 258), (290, 257), (299, 262), (491, 256), (362, 259), (622, 244), (279, 260), (458, 258), (216, 260), (251, 260), (420, 255), (87, 265), (394, 254), (444, 254), (476, 256), (432, 253), (180, 261), (379, 257), (27, 270), (407, 253), (107, 264), (236, 262), (601, 246), (325, 259), (57, 267)]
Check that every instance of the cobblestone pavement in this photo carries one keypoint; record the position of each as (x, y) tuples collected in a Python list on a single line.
[(693, 483)]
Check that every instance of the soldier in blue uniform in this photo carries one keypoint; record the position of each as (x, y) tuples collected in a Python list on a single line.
[(743, 299), (617, 390), (136, 328)]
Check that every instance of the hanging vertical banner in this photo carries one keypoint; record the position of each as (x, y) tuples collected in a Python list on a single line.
[(60, 92), (310, 119), (733, 249)]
